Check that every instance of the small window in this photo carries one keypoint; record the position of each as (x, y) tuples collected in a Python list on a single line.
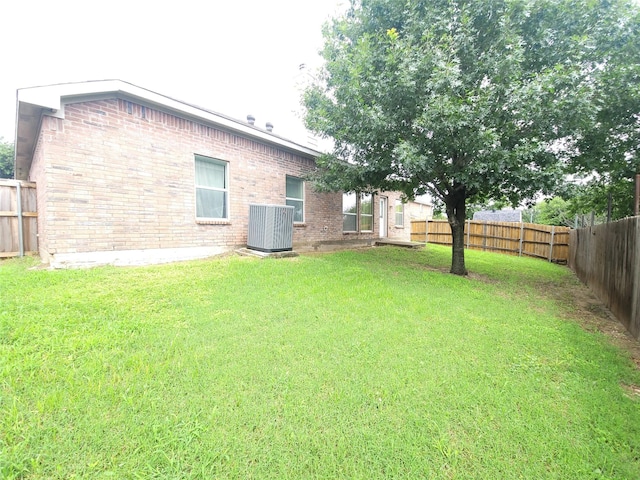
[(399, 210), (349, 212), (295, 198), (366, 212), (211, 188)]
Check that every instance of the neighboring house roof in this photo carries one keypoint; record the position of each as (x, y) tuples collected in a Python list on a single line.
[(34, 102), (423, 200), (498, 215)]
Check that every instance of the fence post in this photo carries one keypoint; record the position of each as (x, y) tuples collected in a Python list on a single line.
[(426, 230), (468, 232), (636, 209), (484, 236), (553, 231), (521, 239)]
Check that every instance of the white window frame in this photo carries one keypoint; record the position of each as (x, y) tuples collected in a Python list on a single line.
[(399, 203), (287, 198), (351, 214), (358, 212), (361, 215), (225, 190)]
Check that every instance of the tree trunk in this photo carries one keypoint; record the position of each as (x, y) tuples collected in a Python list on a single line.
[(456, 213)]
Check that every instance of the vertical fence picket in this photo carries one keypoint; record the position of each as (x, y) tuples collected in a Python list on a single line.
[(484, 236), (18, 224), (521, 241)]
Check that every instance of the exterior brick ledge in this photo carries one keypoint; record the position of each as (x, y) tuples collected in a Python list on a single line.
[(213, 222)]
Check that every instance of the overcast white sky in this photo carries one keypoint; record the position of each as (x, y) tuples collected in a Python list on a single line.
[(233, 56)]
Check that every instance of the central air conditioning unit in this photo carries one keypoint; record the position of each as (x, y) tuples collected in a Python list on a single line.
[(270, 228)]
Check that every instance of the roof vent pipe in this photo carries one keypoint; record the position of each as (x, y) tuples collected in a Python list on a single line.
[(269, 127), (251, 119)]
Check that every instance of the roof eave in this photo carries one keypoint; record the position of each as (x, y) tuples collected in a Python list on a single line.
[(28, 121), (33, 103)]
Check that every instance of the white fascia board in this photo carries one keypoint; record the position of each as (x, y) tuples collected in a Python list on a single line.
[(53, 98)]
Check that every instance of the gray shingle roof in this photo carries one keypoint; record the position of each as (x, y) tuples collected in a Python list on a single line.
[(498, 215)]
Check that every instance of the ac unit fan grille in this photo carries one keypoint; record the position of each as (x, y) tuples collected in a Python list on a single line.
[(270, 228)]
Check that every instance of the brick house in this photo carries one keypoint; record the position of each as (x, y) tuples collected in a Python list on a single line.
[(420, 209), (128, 176)]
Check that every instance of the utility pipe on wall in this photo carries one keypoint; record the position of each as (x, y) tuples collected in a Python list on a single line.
[(20, 226)]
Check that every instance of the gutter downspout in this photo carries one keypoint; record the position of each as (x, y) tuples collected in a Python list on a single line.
[(18, 183), (15, 138), (20, 226)]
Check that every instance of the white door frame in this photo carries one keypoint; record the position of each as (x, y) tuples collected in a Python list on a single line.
[(383, 210)]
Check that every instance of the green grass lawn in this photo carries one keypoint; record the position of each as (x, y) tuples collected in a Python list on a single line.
[(361, 364)]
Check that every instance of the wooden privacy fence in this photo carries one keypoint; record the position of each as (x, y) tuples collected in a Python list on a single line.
[(18, 219), (514, 238), (607, 258)]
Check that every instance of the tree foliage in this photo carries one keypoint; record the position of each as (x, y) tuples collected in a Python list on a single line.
[(609, 149), (553, 211), (465, 100), (615, 189), (6, 159)]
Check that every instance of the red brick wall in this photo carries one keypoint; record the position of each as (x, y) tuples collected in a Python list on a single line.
[(114, 175)]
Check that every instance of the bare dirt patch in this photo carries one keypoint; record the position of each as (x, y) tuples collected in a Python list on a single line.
[(593, 315), (632, 391)]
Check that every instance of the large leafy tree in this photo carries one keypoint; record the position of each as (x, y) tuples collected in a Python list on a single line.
[(466, 100), (609, 150), (6, 159)]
